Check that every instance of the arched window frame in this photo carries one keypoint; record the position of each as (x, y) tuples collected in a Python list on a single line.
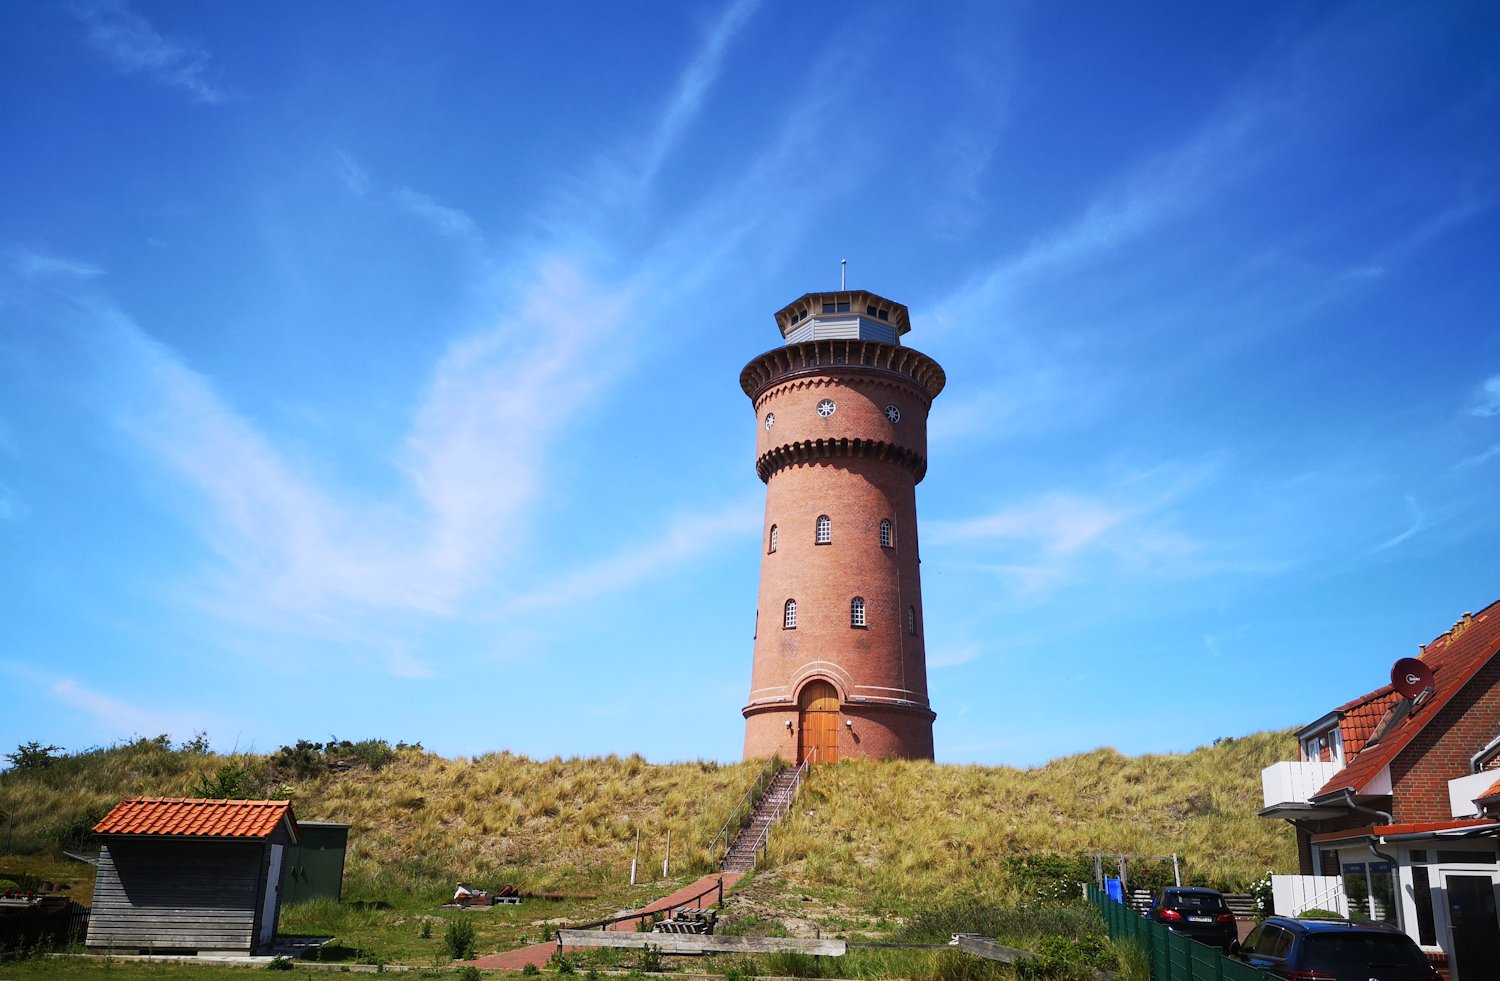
[(771, 546), (823, 530), (911, 620), (887, 534), (789, 615), (857, 612)]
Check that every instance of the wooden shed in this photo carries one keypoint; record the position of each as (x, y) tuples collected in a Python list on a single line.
[(180, 875)]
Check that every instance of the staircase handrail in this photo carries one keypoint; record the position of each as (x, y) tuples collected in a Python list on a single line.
[(746, 806), (781, 808)]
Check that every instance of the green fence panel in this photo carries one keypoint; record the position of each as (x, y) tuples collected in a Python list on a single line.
[(1173, 957)]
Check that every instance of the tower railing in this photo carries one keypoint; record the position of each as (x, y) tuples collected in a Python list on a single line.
[(740, 816), (780, 810)]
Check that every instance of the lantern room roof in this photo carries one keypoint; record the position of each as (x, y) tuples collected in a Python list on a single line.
[(843, 314)]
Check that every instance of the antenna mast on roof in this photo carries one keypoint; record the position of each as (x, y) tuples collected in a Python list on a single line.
[(843, 274)]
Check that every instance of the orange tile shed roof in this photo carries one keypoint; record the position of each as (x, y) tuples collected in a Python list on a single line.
[(177, 816), (1454, 657)]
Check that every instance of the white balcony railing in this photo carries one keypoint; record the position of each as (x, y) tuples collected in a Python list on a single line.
[(1294, 782), (1463, 790)]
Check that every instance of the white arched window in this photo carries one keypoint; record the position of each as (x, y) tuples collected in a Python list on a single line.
[(772, 547), (824, 533), (857, 612), (885, 533), (911, 620), (789, 615)]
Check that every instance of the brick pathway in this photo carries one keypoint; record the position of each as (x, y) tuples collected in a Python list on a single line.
[(540, 954)]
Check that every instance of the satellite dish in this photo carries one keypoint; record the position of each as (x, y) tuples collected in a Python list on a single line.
[(1411, 677)]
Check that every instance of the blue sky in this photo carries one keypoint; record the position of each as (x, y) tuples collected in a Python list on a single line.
[(371, 369)]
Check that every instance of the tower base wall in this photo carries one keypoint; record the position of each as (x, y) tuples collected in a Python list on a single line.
[(876, 732)]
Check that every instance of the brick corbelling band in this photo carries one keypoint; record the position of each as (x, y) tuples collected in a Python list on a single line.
[(813, 358), (807, 450), (864, 380)]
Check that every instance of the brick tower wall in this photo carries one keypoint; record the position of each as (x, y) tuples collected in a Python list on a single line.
[(856, 467)]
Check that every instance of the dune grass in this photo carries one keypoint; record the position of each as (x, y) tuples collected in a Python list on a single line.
[(872, 850)]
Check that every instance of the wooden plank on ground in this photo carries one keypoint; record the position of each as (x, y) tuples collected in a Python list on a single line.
[(991, 950), (687, 943)]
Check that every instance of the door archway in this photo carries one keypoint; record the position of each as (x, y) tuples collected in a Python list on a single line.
[(818, 723)]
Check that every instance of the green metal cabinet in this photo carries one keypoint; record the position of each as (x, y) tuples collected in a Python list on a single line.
[(314, 867)]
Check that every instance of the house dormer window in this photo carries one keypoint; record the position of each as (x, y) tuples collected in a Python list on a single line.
[(1325, 746)]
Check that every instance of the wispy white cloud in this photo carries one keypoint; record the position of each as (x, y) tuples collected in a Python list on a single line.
[(1419, 523), (1056, 539), (1478, 459), (442, 218), (40, 265), (1163, 186), (12, 508), (401, 663), (694, 83), (688, 536), (952, 657), (134, 45), (479, 442), (1486, 399), (352, 174)]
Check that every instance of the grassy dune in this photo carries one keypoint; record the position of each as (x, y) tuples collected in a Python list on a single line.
[(895, 832), (877, 838)]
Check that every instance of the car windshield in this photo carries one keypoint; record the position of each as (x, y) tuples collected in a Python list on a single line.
[(1338, 952), (1206, 902)]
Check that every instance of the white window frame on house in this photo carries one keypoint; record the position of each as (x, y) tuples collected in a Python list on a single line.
[(772, 546), (911, 620), (823, 530), (887, 536), (1326, 732), (789, 615), (857, 612), (1437, 873)]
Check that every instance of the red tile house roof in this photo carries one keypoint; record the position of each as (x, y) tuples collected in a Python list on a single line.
[(1454, 657), (185, 817), (1358, 719)]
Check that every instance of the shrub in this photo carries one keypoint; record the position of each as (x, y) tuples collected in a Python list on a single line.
[(469, 973), (236, 778), (279, 963), (459, 940), (530, 969), (1320, 914), (651, 959), (33, 756)]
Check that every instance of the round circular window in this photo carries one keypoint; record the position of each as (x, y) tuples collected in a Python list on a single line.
[(892, 413), (826, 407), (770, 419)]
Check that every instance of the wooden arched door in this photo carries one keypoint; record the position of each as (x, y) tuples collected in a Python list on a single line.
[(818, 723)]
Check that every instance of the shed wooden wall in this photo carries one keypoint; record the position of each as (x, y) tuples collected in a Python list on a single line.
[(177, 894)]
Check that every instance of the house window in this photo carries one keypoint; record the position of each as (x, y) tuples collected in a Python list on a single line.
[(885, 533), (824, 532), (1421, 887), (911, 620), (1325, 747), (857, 612), (1371, 888), (772, 546), (789, 615)]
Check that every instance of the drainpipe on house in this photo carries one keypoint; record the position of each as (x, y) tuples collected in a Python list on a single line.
[(1373, 841)]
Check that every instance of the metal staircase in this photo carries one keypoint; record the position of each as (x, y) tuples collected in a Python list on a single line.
[(747, 848)]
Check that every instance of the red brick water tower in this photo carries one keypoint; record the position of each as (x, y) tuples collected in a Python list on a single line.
[(840, 669)]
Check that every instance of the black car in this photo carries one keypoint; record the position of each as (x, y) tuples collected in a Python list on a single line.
[(1198, 913), (1334, 950)]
